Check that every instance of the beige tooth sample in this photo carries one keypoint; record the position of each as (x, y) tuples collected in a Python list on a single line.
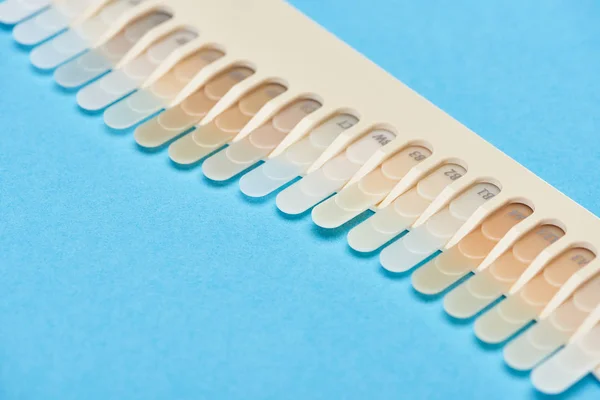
[(146, 102), (546, 336), (455, 263), (488, 285), (246, 152), (370, 190), (205, 139), (176, 120), (522, 307)]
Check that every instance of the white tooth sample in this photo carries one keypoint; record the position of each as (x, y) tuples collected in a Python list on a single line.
[(278, 171), (431, 236), (332, 176), (14, 11)]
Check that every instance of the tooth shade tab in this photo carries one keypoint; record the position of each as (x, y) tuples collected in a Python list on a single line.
[(431, 236), (242, 154), (485, 287), (521, 308), (333, 175), (394, 219), (102, 59), (278, 171), (143, 103), (14, 11), (569, 365), (177, 120), (548, 335), (452, 265), (51, 21), (119, 83), (370, 190)]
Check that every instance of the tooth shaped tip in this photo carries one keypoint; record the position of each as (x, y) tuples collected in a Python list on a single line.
[(186, 151), (257, 184), (219, 167), (330, 215), (525, 351), (504, 320), (549, 378), (75, 73), (126, 113), (460, 303), (40, 27), (364, 238), (294, 201), (430, 280), (397, 257)]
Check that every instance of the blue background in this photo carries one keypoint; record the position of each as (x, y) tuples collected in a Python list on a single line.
[(124, 277)]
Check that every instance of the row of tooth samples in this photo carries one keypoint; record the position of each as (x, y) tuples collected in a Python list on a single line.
[(329, 191)]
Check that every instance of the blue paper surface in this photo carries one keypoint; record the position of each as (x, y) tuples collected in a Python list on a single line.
[(124, 277)]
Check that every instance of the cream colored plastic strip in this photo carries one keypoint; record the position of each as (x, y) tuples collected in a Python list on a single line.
[(289, 103)]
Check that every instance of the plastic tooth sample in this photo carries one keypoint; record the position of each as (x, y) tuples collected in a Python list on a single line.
[(548, 335), (370, 190), (331, 177), (50, 21), (119, 83), (102, 59), (14, 11), (242, 154), (431, 236), (278, 171), (146, 102), (455, 263), (507, 317), (569, 365), (394, 219), (72, 42), (205, 139), (488, 285), (175, 121)]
